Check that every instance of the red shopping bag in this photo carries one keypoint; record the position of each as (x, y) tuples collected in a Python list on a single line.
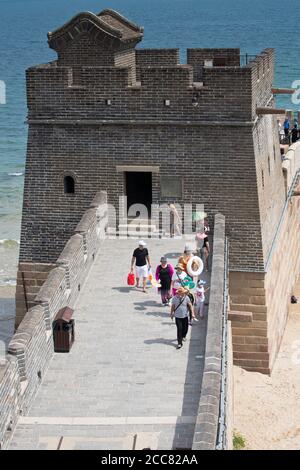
[(130, 279)]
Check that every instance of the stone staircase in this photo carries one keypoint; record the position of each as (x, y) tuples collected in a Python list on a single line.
[(143, 228), (140, 228)]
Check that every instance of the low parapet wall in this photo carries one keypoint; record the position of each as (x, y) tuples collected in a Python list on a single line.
[(214, 382), (291, 165), (31, 348)]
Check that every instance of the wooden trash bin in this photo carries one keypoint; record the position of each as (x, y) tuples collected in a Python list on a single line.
[(63, 330)]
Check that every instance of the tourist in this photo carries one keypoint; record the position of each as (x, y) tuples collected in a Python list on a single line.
[(286, 126), (185, 257), (295, 133), (141, 260), (164, 273), (178, 278), (203, 242), (200, 298), (181, 307), (175, 222)]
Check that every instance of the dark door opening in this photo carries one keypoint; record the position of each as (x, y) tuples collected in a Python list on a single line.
[(139, 189)]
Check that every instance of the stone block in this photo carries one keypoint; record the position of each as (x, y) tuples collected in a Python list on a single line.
[(238, 339), (250, 347), (248, 291), (253, 324), (251, 355), (249, 308), (236, 316), (249, 332), (258, 300), (256, 340)]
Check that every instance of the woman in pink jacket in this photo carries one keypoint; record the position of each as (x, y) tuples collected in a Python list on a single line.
[(164, 273)]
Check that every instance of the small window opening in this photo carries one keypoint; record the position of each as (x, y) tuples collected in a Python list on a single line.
[(69, 185), (262, 178)]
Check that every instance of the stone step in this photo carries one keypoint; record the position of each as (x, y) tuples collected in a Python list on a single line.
[(236, 316), (136, 230), (135, 235), (133, 226)]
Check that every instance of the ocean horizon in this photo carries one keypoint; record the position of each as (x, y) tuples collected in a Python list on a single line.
[(251, 25)]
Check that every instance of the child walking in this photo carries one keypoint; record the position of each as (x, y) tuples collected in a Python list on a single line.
[(164, 273), (200, 298)]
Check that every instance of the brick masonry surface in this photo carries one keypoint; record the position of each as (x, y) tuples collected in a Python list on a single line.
[(31, 348), (123, 375), (102, 104), (260, 302), (206, 430)]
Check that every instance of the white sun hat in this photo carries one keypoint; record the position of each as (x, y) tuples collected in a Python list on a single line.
[(142, 243)]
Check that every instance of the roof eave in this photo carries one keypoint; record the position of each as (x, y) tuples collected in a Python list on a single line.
[(88, 16)]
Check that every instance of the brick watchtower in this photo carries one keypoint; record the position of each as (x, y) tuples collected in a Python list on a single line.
[(105, 116)]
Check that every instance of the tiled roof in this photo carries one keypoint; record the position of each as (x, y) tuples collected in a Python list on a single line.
[(108, 21)]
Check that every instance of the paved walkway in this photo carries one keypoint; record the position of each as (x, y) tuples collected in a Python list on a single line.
[(124, 381)]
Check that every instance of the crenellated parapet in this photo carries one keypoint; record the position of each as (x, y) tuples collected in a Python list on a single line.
[(31, 348), (96, 80)]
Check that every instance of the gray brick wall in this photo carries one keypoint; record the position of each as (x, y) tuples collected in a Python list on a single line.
[(206, 428), (224, 57), (10, 392), (31, 348), (87, 114), (217, 178)]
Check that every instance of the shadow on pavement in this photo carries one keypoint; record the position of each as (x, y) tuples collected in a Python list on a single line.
[(173, 255), (123, 290), (145, 304), (169, 342), (184, 433)]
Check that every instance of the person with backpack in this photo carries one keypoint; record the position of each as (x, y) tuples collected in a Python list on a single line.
[(164, 273), (180, 309)]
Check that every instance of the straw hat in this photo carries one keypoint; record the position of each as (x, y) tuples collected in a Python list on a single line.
[(181, 290), (179, 266)]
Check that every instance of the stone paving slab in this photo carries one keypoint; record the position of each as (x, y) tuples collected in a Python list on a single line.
[(123, 369)]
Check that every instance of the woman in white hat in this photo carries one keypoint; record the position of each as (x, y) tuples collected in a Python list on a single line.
[(141, 261)]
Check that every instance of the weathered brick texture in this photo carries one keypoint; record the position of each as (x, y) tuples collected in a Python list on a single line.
[(103, 104), (206, 429), (31, 348), (88, 114), (10, 392)]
